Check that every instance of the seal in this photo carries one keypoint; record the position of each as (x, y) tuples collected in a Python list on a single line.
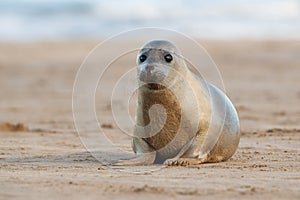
[(181, 119)]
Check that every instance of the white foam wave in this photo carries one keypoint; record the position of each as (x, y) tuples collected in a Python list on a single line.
[(51, 19)]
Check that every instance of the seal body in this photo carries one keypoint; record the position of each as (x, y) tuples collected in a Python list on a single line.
[(196, 122)]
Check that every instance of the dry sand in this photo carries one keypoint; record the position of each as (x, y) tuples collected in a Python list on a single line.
[(42, 157)]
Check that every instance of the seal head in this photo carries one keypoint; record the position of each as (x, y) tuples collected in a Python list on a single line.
[(156, 62)]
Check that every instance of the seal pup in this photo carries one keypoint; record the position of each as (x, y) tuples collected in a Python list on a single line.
[(180, 118)]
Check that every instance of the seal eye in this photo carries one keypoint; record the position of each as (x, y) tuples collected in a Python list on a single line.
[(142, 58), (168, 58)]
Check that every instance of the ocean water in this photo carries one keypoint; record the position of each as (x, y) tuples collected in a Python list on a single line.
[(22, 20)]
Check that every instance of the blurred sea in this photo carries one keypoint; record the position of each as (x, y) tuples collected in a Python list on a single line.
[(22, 20)]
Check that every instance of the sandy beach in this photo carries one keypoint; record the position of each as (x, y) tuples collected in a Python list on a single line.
[(42, 156)]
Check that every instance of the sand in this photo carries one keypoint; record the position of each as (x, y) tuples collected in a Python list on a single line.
[(42, 156)]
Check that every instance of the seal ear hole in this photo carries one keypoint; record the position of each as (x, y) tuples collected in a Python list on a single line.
[(168, 58), (142, 58)]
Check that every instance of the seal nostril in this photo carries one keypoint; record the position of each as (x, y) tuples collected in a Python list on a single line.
[(149, 68)]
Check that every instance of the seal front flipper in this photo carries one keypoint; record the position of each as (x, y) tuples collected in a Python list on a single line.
[(188, 161), (143, 159), (146, 154), (169, 162), (184, 161)]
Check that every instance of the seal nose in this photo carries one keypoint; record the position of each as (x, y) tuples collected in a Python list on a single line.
[(149, 68)]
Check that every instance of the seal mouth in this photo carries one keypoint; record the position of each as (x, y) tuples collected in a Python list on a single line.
[(155, 86)]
